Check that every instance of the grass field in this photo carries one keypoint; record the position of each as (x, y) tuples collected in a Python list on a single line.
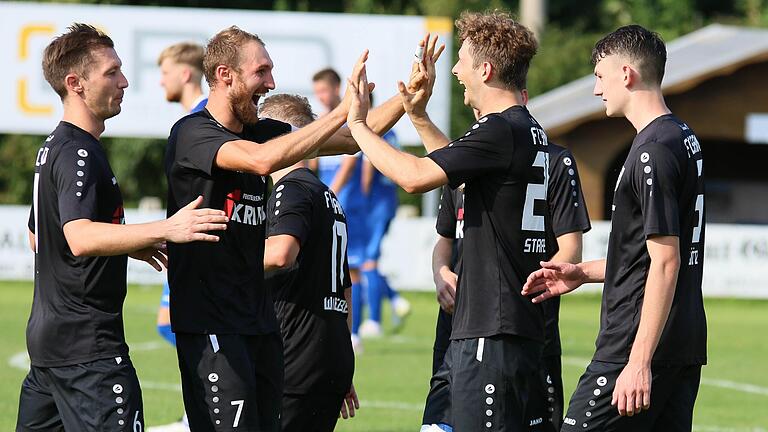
[(392, 375)]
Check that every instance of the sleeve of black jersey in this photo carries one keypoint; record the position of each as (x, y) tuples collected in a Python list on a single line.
[(76, 175), (289, 211), (566, 200), (31, 221), (485, 149), (655, 178), (197, 140), (446, 214)]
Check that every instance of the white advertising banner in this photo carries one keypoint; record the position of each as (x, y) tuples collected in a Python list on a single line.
[(735, 258), (300, 44)]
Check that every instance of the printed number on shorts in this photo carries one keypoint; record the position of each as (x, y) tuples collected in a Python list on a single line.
[(239, 404)]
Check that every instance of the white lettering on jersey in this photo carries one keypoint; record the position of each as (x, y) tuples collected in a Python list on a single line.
[(335, 304), (534, 245), (539, 136), (42, 156), (332, 203), (692, 145), (248, 214)]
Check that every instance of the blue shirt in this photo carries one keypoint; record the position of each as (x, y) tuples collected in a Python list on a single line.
[(351, 194)]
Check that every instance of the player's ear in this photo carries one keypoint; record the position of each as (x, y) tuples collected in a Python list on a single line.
[(73, 83), (186, 75), (486, 71), (224, 74), (629, 76)]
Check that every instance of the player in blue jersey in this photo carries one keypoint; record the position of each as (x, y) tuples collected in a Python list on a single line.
[(382, 201), (181, 69)]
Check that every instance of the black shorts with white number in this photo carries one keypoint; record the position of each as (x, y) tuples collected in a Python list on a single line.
[(102, 395), (496, 385), (231, 382), (673, 394)]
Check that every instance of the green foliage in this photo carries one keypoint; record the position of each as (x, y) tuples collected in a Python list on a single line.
[(18, 154)]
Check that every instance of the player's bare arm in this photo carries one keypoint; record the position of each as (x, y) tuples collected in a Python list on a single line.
[(366, 176), (88, 238), (632, 393), (280, 251), (445, 279), (383, 118), (558, 278), (283, 151), (411, 173), (569, 247)]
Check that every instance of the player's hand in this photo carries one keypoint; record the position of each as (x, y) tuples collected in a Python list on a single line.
[(191, 223), (361, 102), (632, 393), (553, 279), (445, 287), (350, 403), (416, 94), (351, 93), (156, 256)]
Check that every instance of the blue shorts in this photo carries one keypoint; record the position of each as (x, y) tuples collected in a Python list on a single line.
[(356, 237), (380, 214)]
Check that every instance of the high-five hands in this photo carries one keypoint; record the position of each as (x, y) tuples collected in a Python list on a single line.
[(351, 94), (416, 94), (360, 94)]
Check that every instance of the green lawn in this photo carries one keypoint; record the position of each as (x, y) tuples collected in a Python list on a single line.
[(393, 373)]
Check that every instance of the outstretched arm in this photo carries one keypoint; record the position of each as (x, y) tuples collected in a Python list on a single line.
[(88, 238), (557, 278), (285, 150)]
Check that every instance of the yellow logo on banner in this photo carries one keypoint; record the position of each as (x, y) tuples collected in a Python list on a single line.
[(22, 86)]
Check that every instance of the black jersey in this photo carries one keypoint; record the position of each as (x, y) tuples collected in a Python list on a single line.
[(503, 162), (569, 214), (450, 221), (218, 287), (309, 297), (77, 310), (659, 192)]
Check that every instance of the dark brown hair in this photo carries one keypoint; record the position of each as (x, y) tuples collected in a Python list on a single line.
[(292, 109), (642, 46), (327, 75), (224, 49), (72, 52), (501, 41)]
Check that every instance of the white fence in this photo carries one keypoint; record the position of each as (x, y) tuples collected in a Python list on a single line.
[(735, 259), (299, 44)]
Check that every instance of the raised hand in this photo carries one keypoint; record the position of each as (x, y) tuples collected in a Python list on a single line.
[(416, 94), (350, 94), (360, 100), (191, 223), (156, 256), (553, 279)]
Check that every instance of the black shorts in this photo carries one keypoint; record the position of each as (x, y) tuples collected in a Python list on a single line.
[(551, 373), (443, 330), (231, 382), (437, 408), (102, 395), (496, 385), (313, 412), (673, 394)]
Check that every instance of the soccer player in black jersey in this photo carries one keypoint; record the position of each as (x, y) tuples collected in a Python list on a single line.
[(645, 373), (81, 377), (306, 248), (498, 334), (228, 342), (569, 221)]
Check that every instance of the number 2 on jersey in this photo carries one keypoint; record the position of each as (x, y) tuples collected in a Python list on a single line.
[(536, 191), (338, 254)]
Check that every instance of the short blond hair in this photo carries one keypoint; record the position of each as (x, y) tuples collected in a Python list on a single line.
[(292, 109), (188, 53), (224, 49)]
